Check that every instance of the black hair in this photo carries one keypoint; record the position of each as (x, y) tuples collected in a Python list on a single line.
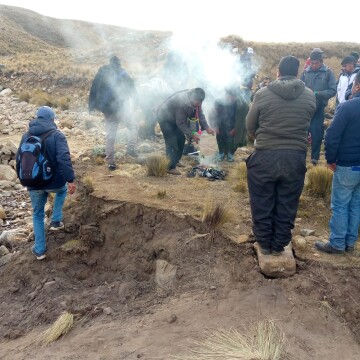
[(289, 66), (197, 94), (357, 78), (355, 55)]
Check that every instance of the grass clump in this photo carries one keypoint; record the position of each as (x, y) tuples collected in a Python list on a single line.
[(215, 216), (240, 175), (88, 184), (264, 342), (74, 246), (319, 180), (161, 194), (157, 165), (60, 327)]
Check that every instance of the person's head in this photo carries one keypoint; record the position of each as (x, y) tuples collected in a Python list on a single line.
[(288, 66), (348, 64), (265, 82), (45, 112), (356, 84), (115, 61), (316, 60), (355, 55), (231, 93), (196, 96)]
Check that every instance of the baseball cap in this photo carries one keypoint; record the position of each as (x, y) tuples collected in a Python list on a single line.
[(45, 112), (317, 50)]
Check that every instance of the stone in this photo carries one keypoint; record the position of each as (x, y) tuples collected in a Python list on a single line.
[(165, 273), (7, 173), (2, 213), (3, 250), (280, 266), (242, 239), (5, 259), (307, 232), (299, 242)]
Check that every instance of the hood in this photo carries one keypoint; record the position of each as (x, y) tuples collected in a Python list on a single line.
[(289, 88), (39, 126)]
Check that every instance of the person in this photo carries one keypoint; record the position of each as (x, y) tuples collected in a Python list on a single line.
[(346, 78), (248, 72), (356, 56), (111, 88), (228, 117), (308, 60), (342, 153), (180, 116), (62, 181), (321, 80), (265, 82), (278, 120)]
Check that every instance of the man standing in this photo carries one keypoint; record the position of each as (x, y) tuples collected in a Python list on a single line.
[(58, 154), (181, 116), (342, 153), (321, 80), (346, 78), (111, 87), (278, 120)]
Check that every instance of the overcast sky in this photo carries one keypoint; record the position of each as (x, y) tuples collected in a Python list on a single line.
[(259, 20)]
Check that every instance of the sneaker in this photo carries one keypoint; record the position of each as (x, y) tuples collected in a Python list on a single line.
[(179, 164), (327, 248), (220, 157), (174, 172), (39, 257), (314, 162), (230, 157), (132, 152), (56, 225), (350, 249), (112, 167)]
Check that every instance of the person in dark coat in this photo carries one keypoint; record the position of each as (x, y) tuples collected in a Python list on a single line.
[(111, 88), (342, 153), (180, 116), (278, 120), (62, 182), (228, 117)]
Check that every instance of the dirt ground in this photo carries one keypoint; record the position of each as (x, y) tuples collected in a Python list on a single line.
[(102, 269)]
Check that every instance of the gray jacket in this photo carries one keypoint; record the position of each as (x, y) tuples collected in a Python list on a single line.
[(177, 109), (280, 115)]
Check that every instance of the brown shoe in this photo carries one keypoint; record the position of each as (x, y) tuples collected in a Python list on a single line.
[(179, 164), (174, 172)]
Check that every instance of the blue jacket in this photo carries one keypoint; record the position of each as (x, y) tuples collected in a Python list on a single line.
[(322, 82), (342, 139), (57, 150)]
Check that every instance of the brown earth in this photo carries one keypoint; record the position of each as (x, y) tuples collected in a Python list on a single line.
[(107, 280)]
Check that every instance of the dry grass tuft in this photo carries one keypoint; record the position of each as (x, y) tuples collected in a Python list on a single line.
[(88, 184), (161, 194), (264, 342), (319, 180), (60, 327), (216, 216), (75, 246), (240, 176), (157, 165)]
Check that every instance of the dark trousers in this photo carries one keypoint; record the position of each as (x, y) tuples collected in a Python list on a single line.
[(174, 142), (317, 132), (275, 181)]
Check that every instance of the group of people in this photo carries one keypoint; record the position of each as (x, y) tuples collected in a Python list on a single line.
[(278, 121)]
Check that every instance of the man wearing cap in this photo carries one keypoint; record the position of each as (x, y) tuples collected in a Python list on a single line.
[(321, 80), (346, 78), (58, 154), (111, 88)]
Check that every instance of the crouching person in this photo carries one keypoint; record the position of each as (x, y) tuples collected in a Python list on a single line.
[(44, 166)]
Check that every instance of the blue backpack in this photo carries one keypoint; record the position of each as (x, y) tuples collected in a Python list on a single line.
[(32, 165)]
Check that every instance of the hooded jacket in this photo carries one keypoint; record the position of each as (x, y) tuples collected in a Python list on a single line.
[(280, 115), (57, 150)]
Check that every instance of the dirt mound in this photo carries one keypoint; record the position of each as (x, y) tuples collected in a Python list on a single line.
[(142, 281)]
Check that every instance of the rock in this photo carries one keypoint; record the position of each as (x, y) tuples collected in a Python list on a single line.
[(299, 242), (276, 266), (107, 311), (5, 259), (172, 318), (12, 236), (7, 173), (165, 273), (5, 92), (11, 146), (307, 232), (242, 239), (3, 250)]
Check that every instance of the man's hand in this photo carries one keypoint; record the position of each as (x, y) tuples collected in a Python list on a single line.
[(210, 131), (196, 138), (232, 132), (71, 188), (332, 166)]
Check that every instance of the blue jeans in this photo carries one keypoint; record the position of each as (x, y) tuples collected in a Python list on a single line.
[(345, 205), (38, 201)]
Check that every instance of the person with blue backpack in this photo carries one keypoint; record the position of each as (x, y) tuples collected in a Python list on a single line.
[(44, 166)]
